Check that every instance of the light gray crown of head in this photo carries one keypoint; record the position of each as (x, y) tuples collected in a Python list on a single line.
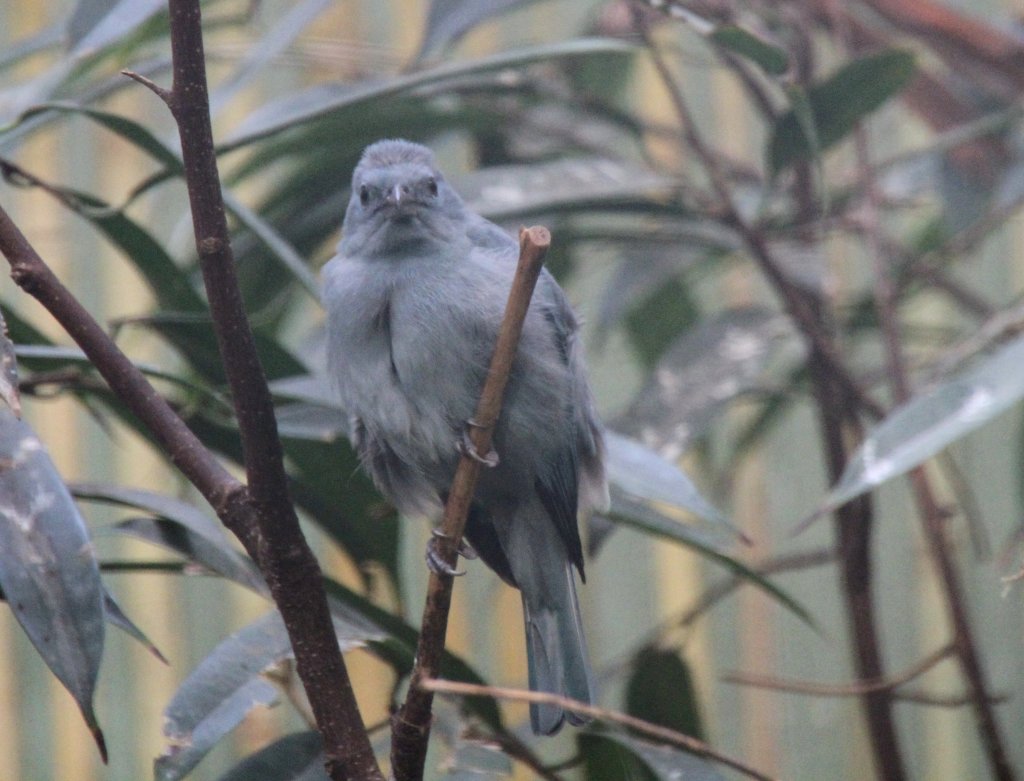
[(395, 152)]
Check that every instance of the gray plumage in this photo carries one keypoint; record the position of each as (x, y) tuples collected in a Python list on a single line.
[(414, 300)]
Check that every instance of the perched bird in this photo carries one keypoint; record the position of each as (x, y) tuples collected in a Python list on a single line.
[(414, 300)]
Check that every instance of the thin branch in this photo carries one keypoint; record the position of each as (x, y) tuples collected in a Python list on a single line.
[(520, 752), (656, 731), (152, 86), (787, 562), (716, 592), (856, 689), (411, 726)]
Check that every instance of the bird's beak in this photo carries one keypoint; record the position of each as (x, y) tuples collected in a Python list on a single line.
[(394, 197)]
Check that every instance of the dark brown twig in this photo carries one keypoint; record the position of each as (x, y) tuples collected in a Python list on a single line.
[(411, 726), (930, 510), (284, 557), (656, 731)]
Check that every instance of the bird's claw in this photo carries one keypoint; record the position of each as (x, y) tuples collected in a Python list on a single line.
[(467, 448), (436, 562), (465, 549)]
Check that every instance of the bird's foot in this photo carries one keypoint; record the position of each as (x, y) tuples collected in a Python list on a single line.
[(436, 562), (467, 448)]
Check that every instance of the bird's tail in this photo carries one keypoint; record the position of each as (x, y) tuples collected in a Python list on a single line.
[(556, 653)]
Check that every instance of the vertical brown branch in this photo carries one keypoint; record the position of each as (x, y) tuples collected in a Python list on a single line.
[(411, 725), (285, 558), (840, 402), (853, 523), (932, 516)]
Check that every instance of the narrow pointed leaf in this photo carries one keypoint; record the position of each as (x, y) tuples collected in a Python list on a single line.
[(128, 129), (164, 506), (642, 474), (224, 688), (295, 757), (704, 370), (214, 554), (661, 691), (925, 425), (667, 763), (100, 30), (48, 573), (117, 617), (773, 60), (838, 103), (577, 183), (268, 50)]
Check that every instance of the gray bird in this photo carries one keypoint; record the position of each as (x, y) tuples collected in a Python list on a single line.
[(414, 299)]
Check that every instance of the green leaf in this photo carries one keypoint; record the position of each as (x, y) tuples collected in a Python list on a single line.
[(166, 280), (295, 757), (390, 638), (661, 691), (926, 424), (134, 241), (167, 507), (706, 369), (47, 571), (772, 59), (838, 103), (605, 760), (220, 692), (117, 617), (667, 763), (475, 760), (214, 554), (641, 474), (98, 24), (192, 334), (655, 322)]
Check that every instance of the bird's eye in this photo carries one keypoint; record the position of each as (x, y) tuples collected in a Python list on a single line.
[(432, 186), (364, 195)]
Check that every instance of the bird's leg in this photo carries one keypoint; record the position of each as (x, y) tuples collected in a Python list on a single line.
[(436, 562), (467, 448)]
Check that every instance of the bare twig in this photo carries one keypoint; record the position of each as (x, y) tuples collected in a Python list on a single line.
[(656, 731), (411, 725), (855, 689)]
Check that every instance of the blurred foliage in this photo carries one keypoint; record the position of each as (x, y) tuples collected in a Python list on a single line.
[(562, 132)]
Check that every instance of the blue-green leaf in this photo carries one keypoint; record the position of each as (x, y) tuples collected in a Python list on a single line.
[(926, 424), (838, 103)]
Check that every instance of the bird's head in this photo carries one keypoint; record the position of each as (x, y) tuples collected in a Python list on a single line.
[(400, 202)]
